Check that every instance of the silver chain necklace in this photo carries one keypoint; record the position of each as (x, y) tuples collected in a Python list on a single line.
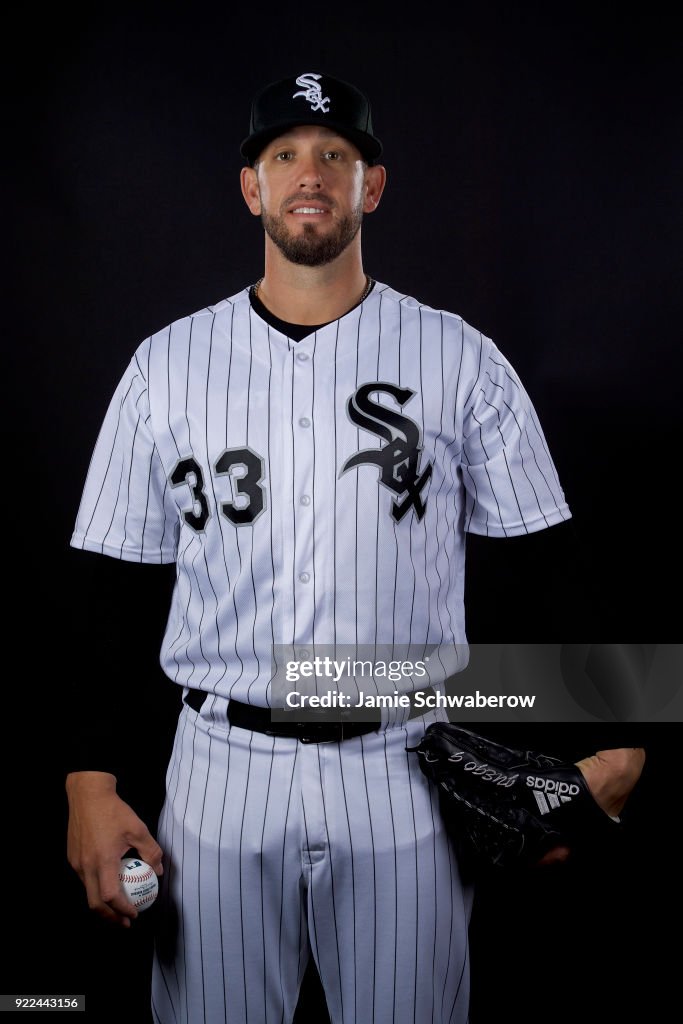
[(368, 285)]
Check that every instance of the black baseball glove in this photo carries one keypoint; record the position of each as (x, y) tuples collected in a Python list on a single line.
[(504, 807)]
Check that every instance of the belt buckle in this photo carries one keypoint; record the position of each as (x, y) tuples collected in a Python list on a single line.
[(318, 732)]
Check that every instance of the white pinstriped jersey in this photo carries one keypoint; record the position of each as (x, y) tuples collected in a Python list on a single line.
[(313, 492)]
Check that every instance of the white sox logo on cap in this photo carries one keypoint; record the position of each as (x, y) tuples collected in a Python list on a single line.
[(312, 92)]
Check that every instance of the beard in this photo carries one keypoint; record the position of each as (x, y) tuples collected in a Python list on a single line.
[(310, 249)]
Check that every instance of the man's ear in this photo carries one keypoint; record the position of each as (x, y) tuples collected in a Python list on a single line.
[(250, 190), (375, 180)]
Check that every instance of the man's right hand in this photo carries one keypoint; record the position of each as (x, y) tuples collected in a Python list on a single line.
[(102, 828)]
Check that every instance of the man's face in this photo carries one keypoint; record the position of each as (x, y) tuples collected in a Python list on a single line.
[(311, 188)]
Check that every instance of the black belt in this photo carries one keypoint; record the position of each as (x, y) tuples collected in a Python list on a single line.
[(258, 719)]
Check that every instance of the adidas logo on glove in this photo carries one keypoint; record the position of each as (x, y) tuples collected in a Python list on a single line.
[(565, 790)]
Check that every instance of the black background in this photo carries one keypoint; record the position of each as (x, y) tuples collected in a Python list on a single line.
[(534, 166)]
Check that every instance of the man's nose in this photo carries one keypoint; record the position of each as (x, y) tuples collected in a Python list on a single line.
[(310, 173)]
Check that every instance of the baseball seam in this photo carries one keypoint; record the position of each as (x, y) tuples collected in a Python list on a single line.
[(145, 899), (136, 878)]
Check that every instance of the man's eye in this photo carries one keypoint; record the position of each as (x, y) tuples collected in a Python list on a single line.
[(332, 154), (284, 155)]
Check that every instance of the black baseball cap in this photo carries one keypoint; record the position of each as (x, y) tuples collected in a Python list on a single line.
[(310, 98)]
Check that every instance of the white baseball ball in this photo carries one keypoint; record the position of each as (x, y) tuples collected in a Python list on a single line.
[(139, 882)]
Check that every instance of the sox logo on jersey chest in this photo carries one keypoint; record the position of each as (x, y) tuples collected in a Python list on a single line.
[(398, 461)]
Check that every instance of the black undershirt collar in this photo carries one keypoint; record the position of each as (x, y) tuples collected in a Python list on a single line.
[(294, 331)]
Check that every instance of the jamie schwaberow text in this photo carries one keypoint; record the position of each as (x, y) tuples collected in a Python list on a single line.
[(336, 699)]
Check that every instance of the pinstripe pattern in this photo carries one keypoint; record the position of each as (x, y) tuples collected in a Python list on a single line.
[(225, 449), (309, 569), (339, 842)]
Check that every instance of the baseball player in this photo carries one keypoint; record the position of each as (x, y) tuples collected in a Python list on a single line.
[(309, 453)]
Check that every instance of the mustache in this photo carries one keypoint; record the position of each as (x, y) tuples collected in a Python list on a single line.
[(308, 197)]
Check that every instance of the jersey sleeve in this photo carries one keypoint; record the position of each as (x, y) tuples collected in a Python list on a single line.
[(510, 478), (126, 510)]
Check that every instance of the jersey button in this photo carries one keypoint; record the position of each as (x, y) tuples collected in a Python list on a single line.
[(305, 499), (304, 421), (304, 577), (302, 356), (304, 655)]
